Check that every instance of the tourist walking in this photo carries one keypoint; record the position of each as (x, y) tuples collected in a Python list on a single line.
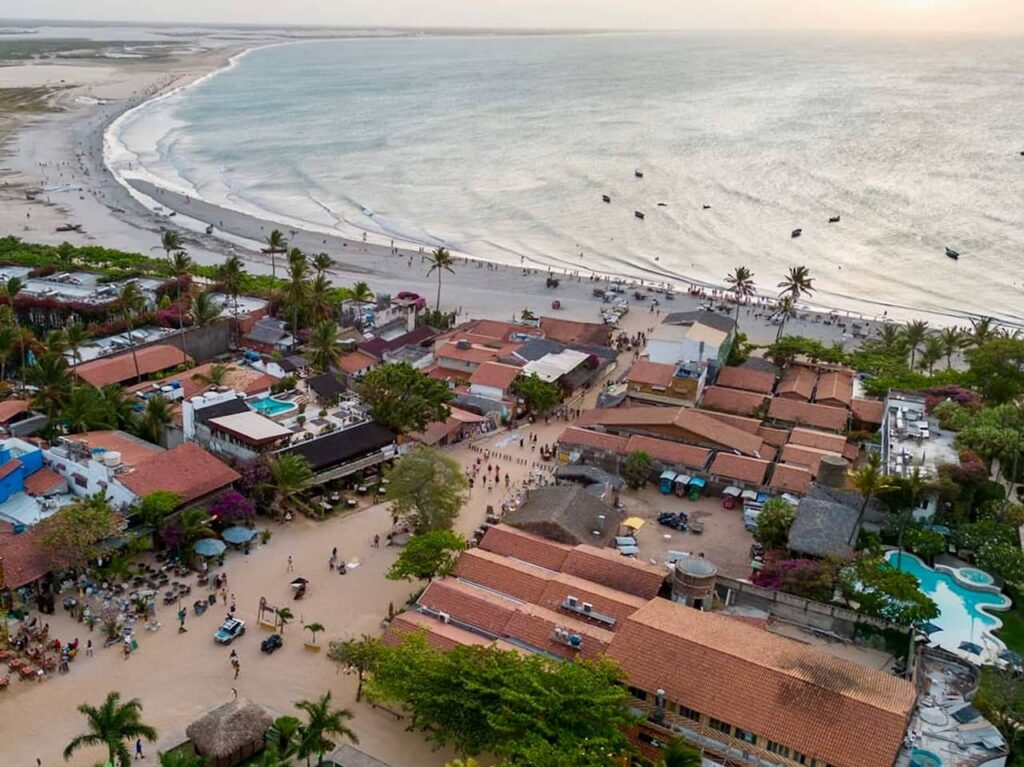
[(376, 541), (138, 749), (238, 667), (291, 564), (88, 647)]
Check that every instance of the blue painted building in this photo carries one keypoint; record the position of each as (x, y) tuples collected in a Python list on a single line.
[(18, 460)]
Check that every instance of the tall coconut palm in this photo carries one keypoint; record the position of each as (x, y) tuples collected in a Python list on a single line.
[(284, 735), (194, 524), (52, 380), (868, 481), (931, 352), (120, 407), (204, 310), (215, 376), (360, 291), (890, 336), (8, 339), (170, 242), (181, 269), (323, 346), (678, 753), (113, 725), (276, 243), (154, 418), (440, 260), (741, 285), (322, 724), (290, 474), (76, 335), (914, 335), (86, 410), (297, 290), (132, 302), (784, 309), (55, 342), (982, 329), (231, 275), (797, 282), (322, 263), (320, 307)]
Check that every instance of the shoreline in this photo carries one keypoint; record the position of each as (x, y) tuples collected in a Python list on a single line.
[(131, 223)]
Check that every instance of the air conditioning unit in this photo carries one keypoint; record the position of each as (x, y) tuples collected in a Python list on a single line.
[(444, 617), (575, 641), (587, 607), (572, 601)]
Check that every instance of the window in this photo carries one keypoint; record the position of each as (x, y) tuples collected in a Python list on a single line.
[(745, 736), (636, 692), (778, 748), (689, 713), (718, 724), (800, 758)]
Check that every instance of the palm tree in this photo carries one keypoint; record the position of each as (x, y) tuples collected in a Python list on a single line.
[(120, 407), (154, 418), (678, 753), (181, 267), (203, 310), (440, 261), (953, 340), (527, 316), (86, 410), (323, 345), (360, 291), (314, 629), (170, 242), (320, 307), (194, 524), (913, 336), (215, 377), (890, 336), (932, 352), (8, 338), (797, 282), (284, 617), (180, 759), (283, 736), (52, 380), (868, 480), (276, 243), (55, 342), (132, 301), (231, 274), (741, 282), (289, 475), (982, 329), (113, 725), (297, 292), (75, 335), (322, 722), (322, 263), (12, 287), (784, 309)]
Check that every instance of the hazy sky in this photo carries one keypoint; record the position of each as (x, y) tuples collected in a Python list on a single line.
[(967, 16)]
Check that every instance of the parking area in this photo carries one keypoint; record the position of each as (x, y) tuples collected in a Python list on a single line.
[(724, 541)]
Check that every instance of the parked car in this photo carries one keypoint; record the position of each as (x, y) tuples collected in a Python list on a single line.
[(229, 631), (271, 643)]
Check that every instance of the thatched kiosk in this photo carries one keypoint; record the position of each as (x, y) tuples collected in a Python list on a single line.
[(230, 733)]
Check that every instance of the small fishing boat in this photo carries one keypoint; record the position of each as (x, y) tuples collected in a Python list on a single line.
[(796, 233), (833, 219), (952, 253), (662, 204), (706, 206), (69, 228), (606, 198), (638, 173), (209, 229), (639, 214)]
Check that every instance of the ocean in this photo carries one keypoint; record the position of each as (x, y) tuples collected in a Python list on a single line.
[(501, 148)]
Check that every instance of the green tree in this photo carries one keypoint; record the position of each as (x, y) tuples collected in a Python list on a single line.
[(797, 282), (156, 415), (113, 725), (181, 269), (204, 310), (882, 591), (8, 342), (132, 302), (121, 409), (741, 284), (155, 507), (427, 488), (868, 480), (953, 340), (284, 736), (773, 523), (931, 353), (429, 555), (284, 617), (314, 629), (179, 758), (276, 243), (785, 308), (404, 399), (1000, 699), (231, 275), (86, 410), (215, 376), (52, 380), (290, 474), (540, 395), (678, 753), (527, 710), (297, 287), (72, 535), (323, 346), (982, 330), (636, 469), (320, 300), (914, 335), (323, 724), (926, 544), (322, 263), (75, 335), (440, 260), (997, 368), (356, 656), (193, 524), (360, 291), (170, 242), (1002, 559)]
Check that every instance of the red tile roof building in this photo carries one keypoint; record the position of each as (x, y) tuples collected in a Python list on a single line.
[(575, 332), (650, 373), (834, 388), (808, 457), (187, 470), (25, 560), (748, 379), (733, 400), (739, 468), (868, 411), (495, 375), (10, 408), (599, 440), (675, 453), (787, 478), (807, 414), (797, 383), (822, 440), (118, 368)]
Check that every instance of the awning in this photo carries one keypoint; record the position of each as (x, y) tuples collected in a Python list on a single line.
[(634, 522), (733, 491)]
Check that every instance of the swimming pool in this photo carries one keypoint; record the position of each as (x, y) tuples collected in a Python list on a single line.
[(269, 406), (964, 608)]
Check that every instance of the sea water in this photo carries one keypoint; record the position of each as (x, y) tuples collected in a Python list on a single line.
[(501, 147)]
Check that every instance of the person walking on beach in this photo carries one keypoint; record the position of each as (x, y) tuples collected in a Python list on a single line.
[(376, 541), (88, 648), (238, 668), (138, 749), (291, 565)]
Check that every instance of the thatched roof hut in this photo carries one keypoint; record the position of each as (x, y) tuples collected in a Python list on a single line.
[(230, 733)]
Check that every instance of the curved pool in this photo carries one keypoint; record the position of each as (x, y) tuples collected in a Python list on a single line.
[(271, 407), (965, 604)]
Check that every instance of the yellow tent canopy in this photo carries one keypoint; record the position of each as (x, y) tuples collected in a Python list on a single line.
[(634, 522)]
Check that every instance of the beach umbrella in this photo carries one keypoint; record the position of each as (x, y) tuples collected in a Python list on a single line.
[(238, 534), (299, 582), (209, 547), (971, 647)]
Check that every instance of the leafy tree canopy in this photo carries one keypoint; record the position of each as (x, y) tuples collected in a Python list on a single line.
[(774, 522), (404, 399), (428, 555), (156, 505), (427, 488), (637, 469), (73, 534), (997, 368), (540, 395), (879, 589)]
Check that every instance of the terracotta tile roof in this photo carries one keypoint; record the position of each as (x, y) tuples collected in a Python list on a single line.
[(356, 361), (797, 383), (475, 353), (826, 707), (10, 467), (822, 440), (25, 560), (187, 470), (675, 453), (652, 373), (443, 374), (749, 425), (599, 440), (774, 437), (739, 467), (575, 332), (748, 379), (609, 568), (732, 400), (834, 388), (119, 368), (801, 455), (807, 414), (441, 636), (535, 625), (868, 411), (509, 542), (238, 377), (132, 449), (495, 330), (44, 481), (495, 375), (703, 424), (12, 407), (790, 479)]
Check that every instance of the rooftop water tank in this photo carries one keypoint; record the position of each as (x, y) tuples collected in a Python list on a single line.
[(832, 471), (112, 458), (693, 582)]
